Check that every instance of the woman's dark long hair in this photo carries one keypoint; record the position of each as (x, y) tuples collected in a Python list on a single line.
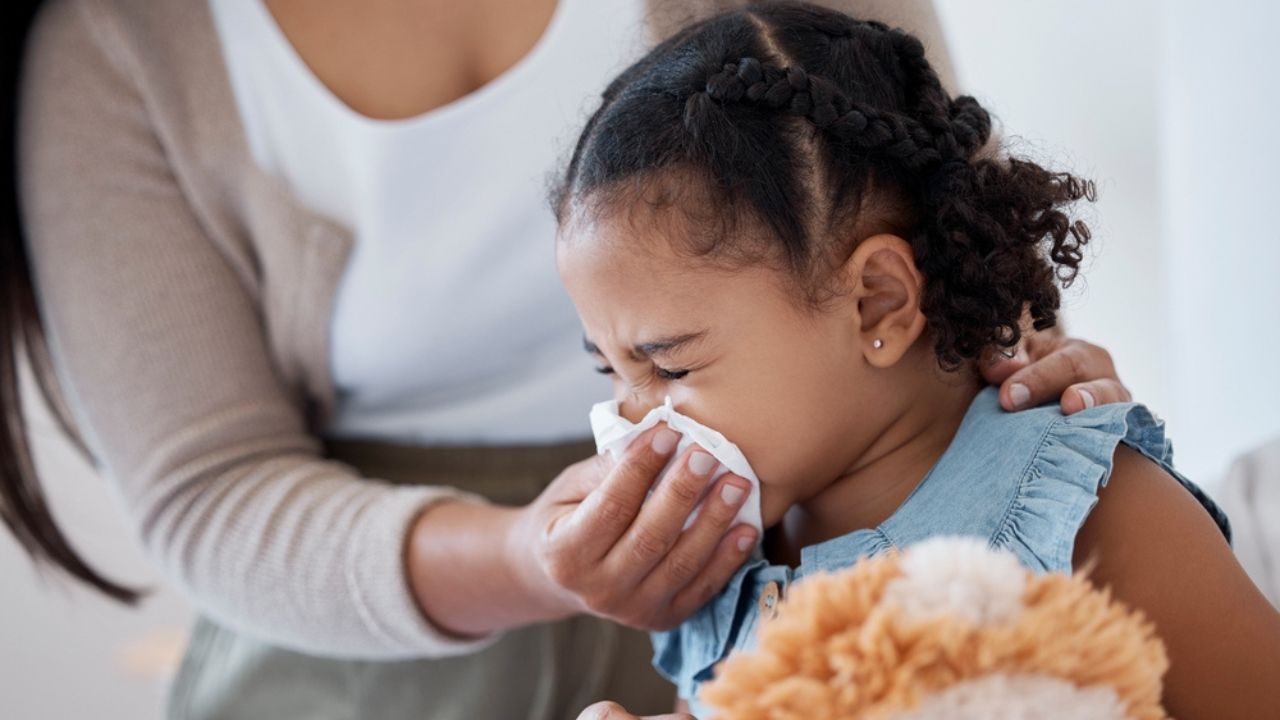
[(23, 505)]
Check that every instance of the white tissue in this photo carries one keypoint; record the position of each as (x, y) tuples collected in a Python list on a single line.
[(614, 433)]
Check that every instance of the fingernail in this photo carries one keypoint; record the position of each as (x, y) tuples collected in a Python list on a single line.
[(1088, 398), (701, 463), (744, 543), (732, 494), (1019, 394), (664, 441)]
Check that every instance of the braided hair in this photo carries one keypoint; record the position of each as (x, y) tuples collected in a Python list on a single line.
[(823, 129)]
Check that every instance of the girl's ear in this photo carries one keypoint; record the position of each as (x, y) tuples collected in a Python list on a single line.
[(886, 290)]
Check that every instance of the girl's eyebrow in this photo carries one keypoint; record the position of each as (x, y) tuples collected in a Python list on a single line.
[(658, 347)]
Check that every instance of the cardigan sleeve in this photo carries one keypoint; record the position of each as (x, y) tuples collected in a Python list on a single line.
[(161, 352)]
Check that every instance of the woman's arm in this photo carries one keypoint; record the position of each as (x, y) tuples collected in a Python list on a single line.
[(161, 349), (1158, 550)]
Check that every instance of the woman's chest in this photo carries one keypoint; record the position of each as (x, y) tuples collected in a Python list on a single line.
[(391, 60), (449, 308)]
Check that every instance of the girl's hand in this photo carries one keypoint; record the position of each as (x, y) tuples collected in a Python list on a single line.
[(614, 711), (592, 543), (1047, 366)]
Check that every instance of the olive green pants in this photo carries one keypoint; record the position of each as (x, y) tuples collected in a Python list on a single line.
[(539, 672)]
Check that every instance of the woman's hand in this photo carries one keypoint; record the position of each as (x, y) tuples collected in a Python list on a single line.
[(614, 711), (592, 543), (1048, 366)]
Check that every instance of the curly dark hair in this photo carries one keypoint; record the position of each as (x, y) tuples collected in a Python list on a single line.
[(824, 129)]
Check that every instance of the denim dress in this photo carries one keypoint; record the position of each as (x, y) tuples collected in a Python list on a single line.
[(1025, 481)]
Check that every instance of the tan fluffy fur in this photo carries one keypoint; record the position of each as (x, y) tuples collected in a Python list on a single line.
[(835, 652)]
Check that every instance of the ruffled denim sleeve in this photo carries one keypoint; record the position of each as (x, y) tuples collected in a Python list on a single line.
[(1073, 461), (686, 655)]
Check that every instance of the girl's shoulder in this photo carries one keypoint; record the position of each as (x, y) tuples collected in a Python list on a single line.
[(1027, 480)]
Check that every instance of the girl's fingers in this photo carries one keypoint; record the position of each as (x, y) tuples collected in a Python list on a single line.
[(696, 546), (1048, 377), (608, 511), (662, 518), (729, 555), (1082, 396)]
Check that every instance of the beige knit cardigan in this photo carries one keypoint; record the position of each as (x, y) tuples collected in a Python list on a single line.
[(187, 296)]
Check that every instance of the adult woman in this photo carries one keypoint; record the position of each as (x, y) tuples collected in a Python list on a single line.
[(228, 208)]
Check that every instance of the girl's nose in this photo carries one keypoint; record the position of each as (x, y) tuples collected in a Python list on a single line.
[(635, 404)]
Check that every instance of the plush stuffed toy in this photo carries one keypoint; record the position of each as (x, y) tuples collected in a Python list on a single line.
[(945, 630)]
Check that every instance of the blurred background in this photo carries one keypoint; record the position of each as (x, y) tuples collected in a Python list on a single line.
[(1169, 106)]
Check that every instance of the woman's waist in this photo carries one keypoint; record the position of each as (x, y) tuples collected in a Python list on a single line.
[(509, 474)]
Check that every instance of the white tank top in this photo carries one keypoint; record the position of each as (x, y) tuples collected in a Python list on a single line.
[(450, 323)]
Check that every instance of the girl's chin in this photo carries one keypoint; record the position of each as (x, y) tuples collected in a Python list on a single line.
[(771, 512)]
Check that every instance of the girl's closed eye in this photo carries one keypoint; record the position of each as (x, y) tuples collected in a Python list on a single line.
[(662, 373), (652, 352)]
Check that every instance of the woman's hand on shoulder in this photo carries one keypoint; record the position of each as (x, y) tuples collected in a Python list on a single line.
[(1159, 551), (593, 543), (1048, 366)]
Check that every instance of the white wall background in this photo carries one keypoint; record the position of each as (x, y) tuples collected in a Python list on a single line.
[(1170, 106), (1221, 155)]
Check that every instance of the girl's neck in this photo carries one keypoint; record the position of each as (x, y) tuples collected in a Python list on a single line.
[(882, 477)]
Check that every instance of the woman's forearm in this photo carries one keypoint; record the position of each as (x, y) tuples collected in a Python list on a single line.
[(465, 571)]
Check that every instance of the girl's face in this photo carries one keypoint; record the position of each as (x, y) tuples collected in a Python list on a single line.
[(733, 349)]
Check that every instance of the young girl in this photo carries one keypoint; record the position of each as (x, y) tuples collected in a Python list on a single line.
[(781, 220)]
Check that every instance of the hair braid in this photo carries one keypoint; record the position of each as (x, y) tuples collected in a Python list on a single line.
[(867, 130), (960, 126)]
